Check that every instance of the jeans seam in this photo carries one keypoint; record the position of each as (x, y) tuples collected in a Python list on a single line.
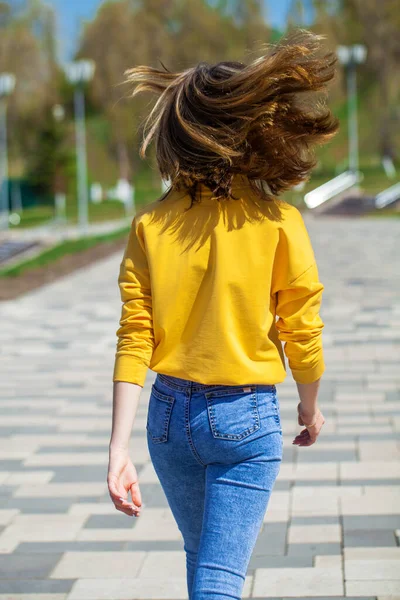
[(187, 427), (168, 410)]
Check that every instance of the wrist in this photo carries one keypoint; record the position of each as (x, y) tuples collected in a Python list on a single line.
[(117, 448), (308, 411)]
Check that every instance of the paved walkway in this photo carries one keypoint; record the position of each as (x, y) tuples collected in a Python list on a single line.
[(19, 244), (333, 524), (52, 231)]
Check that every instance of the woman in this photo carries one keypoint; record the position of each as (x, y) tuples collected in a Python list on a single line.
[(215, 276)]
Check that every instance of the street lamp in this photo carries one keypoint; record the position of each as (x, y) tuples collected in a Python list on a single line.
[(7, 84), (78, 73), (59, 192), (350, 57)]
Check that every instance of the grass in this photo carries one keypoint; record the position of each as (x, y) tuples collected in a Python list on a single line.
[(147, 189), (108, 210), (146, 192), (68, 247), (34, 216)]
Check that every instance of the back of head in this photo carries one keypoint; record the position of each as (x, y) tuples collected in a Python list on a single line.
[(261, 120)]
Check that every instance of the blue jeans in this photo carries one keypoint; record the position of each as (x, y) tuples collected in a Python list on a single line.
[(217, 450)]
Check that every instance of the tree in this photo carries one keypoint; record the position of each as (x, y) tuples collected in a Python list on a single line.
[(380, 30), (114, 40), (52, 159), (377, 26), (27, 50), (178, 34)]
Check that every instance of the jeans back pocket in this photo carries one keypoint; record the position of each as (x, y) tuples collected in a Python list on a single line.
[(233, 412), (158, 415), (268, 405)]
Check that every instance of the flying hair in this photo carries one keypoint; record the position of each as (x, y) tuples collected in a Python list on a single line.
[(261, 120)]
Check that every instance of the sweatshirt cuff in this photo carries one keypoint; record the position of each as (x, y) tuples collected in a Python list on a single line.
[(308, 375), (128, 368)]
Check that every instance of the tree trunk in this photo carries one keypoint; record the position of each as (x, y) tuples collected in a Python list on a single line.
[(125, 170)]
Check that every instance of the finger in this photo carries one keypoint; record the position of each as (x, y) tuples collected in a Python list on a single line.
[(303, 433), (125, 503), (306, 444), (300, 439), (307, 440), (124, 506), (118, 499), (304, 441), (127, 510), (135, 493), (129, 505)]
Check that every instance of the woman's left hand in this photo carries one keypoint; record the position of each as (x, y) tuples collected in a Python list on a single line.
[(122, 478)]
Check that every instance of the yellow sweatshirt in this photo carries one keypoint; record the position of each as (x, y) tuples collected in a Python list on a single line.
[(209, 294)]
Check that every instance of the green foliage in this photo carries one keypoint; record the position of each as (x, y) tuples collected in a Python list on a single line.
[(377, 26), (126, 33), (51, 162), (178, 34)]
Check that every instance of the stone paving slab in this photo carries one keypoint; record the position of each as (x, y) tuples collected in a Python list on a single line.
[(332, 527)]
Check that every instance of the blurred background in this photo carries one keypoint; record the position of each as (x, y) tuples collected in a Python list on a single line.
[(69, 133), (70, 182)]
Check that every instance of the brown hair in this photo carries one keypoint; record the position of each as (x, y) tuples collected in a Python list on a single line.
[(214, 121)]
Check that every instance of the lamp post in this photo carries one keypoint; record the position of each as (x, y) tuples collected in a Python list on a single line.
[(350, 57), (7, 84), (59, 191), (78, 73)]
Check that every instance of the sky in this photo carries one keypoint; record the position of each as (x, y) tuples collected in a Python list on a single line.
[(70, 13)]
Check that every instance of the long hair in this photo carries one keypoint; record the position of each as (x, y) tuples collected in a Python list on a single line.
[(261, 120)]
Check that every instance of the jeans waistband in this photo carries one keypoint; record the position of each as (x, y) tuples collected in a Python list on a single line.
[(183, 384)]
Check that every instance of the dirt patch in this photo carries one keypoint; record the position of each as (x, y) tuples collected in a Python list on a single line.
[(12, 287)]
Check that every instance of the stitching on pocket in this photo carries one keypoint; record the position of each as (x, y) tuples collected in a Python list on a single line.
[(162, 396), (272, 408), (212, 413), (168, 402), (276, 415)]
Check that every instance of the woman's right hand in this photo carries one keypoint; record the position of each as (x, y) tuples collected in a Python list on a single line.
[(122, 478), (312, 421)]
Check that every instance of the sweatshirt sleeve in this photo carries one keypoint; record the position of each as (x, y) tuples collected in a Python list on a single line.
[(135, 335), (298, 300)]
